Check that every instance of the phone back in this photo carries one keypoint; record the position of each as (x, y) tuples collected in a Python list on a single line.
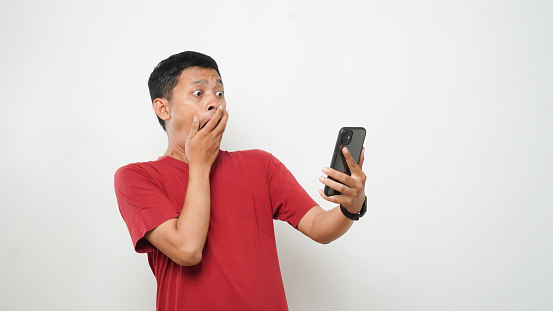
[(353, 139)]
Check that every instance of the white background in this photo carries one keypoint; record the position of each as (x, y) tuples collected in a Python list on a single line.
[(456, 97)]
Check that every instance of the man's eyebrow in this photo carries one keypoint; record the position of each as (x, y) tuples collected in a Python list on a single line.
[(219, 81)]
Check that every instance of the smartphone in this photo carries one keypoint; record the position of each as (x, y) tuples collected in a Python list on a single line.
[(353, 139)]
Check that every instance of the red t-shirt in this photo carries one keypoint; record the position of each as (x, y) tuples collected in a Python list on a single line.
[(239, 269)]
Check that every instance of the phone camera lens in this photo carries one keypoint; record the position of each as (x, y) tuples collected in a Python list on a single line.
[(346, 138)]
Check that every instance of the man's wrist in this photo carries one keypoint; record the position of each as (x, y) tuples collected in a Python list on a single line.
[(356, 216), (199, 169)]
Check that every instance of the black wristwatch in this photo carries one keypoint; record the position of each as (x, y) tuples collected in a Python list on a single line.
[(355, 216)]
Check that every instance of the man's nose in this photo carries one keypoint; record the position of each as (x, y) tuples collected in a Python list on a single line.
[(212, 103)]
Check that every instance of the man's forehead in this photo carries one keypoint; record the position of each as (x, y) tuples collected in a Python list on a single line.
[(199, 75), (203, 81)]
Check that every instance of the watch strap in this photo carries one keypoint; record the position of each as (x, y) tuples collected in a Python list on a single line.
[(355, 216)]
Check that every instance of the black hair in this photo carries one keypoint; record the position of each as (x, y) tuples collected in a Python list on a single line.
[(165, 76)]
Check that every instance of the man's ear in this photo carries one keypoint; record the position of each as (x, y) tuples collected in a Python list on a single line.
[(162, 108)]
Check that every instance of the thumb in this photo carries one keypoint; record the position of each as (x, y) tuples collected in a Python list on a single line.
[(194, 128)]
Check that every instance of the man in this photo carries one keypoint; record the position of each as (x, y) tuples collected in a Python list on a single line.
[(205, 216)]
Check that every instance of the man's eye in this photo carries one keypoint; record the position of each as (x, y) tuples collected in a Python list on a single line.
[(197, 93), (219, 94)]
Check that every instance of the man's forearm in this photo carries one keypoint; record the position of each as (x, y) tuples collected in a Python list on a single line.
[(332, 224), (182, 239), (324, 226), (193, 221)]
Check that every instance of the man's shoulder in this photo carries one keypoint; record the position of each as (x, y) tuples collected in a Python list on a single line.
[(136, 166), (137, 170)]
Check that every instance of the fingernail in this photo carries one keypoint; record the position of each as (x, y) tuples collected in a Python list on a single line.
[(325, 170), (321, 179)]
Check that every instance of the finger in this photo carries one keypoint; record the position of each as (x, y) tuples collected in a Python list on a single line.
[(220, 128), (338, 176), (333, 198), (349, 160), (194, 128), (362, 158), (337, 199), (210, 125), (337, 186)]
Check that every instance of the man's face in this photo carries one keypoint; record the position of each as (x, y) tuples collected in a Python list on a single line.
[(199, 92)]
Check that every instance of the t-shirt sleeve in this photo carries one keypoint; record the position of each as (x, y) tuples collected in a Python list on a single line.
[(142, 203), (290, 202)]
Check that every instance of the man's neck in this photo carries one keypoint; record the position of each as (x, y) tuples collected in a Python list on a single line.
[(177, 152)]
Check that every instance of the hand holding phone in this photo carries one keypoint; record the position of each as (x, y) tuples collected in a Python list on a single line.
[(352, 138)]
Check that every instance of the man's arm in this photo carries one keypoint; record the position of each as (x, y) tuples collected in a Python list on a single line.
[(182, 239), (326, 226)]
